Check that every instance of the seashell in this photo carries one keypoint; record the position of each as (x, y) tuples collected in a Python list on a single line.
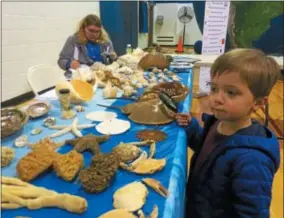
[(49, 121), (38, 109), (101, 116), (113, 127), (139, 85), (79, 108), (36, 131), (21, 141), (131, 197), (166, 70)]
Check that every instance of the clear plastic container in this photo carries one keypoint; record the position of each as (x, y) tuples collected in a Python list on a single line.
[(128, 49)]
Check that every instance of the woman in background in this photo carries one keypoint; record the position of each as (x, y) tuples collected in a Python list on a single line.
[(89, 44)]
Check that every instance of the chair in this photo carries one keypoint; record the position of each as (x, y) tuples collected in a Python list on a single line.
[(42, 77)]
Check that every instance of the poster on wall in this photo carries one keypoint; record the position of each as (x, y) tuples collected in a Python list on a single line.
[(214, 36)]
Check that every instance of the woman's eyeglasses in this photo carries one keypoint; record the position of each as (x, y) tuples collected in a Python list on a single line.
[(93, 32)]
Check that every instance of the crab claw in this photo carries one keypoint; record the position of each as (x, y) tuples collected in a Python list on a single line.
[(156, 185), (155, 212)]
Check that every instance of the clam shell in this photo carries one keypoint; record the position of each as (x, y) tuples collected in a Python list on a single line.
[(21, 141), (36, 131), (38, 109), (49, 121)]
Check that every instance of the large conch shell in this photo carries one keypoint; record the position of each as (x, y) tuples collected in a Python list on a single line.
[(156, 59), (80, 91), (131, 197)]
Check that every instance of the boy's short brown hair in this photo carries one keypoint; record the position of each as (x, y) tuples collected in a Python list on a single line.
[(258, 71)]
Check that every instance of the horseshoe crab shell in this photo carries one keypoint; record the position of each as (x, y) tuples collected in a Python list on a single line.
[(131, 197), (156, 59), (175, 90), (38, 109)]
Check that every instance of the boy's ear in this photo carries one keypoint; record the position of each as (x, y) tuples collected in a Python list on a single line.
[(260, 102)]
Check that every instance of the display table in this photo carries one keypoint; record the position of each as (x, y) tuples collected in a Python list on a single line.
[(173, 176)]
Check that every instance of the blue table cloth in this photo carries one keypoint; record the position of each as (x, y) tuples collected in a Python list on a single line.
[(173, 176)]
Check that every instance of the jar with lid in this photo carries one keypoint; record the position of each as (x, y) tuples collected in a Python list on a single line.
[(64, 98)]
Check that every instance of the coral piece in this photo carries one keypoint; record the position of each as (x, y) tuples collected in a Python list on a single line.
[(89, 142), (131, 197), (45, 143), (18, 194), (68, 165), (35, 163), (99, 175), (156, 185), (151, 134), (7, 155)]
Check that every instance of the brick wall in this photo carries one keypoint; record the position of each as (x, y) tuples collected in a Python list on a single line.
[(33, 33)]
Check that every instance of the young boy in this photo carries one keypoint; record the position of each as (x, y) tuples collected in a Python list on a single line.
[(235, 157)]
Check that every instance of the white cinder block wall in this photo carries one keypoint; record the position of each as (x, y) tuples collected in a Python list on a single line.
[(34, 33)]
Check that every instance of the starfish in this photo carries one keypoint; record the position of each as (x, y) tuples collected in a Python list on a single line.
[(74, 128), (89, 142)]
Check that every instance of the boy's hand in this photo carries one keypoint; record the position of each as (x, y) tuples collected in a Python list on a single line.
[(183, 119)]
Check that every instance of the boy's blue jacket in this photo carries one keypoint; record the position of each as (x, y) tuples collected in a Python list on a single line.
[(236, 179)]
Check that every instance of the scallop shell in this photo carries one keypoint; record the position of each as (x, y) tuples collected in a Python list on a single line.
[(21, 141)]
